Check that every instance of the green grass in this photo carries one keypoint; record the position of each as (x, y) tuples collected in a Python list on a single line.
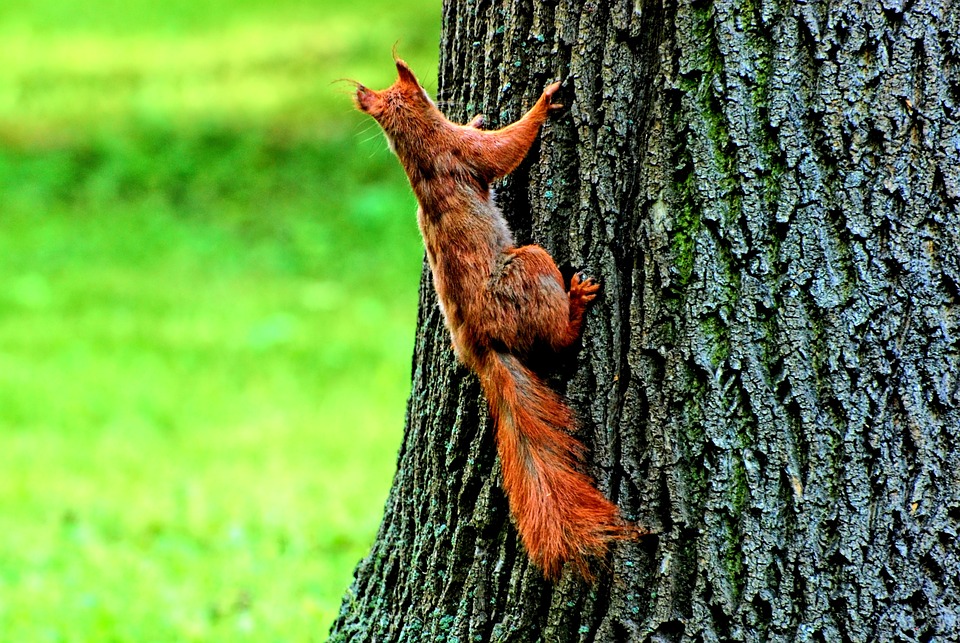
[(209, 266)]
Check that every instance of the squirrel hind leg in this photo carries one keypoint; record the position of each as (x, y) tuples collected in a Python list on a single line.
[(552, 315)]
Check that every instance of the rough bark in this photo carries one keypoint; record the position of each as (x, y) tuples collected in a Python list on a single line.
[(769, 193)]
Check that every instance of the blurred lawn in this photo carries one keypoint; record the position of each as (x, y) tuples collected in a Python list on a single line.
[(208, 264)]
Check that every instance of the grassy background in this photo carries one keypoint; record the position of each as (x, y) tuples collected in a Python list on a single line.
[(208, 264)]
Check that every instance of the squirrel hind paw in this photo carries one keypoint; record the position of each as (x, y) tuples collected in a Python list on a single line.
[(582, 285)]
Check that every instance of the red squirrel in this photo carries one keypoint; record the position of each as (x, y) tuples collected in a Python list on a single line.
[(500, 301)]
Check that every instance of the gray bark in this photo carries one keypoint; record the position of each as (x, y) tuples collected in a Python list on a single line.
[(768, 193)]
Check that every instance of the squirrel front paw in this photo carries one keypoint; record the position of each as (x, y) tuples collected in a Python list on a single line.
[(548, 96)]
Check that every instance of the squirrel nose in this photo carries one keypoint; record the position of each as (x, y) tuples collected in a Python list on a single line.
[(365, 97)]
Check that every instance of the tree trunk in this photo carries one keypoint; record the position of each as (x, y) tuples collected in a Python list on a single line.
[(768, 193)]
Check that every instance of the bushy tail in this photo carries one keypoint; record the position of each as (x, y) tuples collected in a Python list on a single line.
[(559, 513)]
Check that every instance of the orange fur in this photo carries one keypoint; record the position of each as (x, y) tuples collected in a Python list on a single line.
[(500, 302)]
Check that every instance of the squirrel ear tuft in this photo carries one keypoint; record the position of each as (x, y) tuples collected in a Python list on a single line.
[(405, 74)]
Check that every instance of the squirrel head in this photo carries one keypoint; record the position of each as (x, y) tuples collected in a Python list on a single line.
[(403, 109)]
